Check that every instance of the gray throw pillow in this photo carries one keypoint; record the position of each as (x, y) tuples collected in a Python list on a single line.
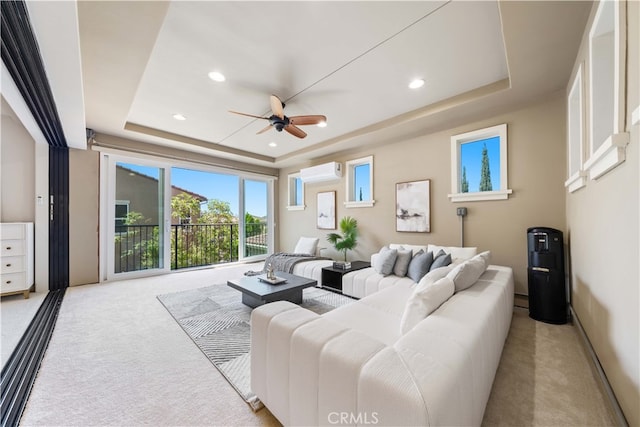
[(419, 265), (442, 260), (385, 260), (402, 262)]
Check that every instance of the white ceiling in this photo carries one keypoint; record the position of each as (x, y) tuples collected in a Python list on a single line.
[(142, 62)]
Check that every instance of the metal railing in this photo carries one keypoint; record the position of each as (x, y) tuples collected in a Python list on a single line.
[(137, 247)]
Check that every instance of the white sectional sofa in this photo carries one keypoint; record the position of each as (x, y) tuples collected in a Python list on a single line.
[(354, 366), (367, 281), (312, 268)]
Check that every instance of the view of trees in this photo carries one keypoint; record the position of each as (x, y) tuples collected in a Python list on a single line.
[(204, 237), (485, 174), (464, 186)]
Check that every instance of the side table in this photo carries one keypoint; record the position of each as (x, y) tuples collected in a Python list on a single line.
[(332, 277)]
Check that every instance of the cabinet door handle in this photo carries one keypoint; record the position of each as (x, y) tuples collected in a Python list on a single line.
[(8, 265), (8, 248), (8, 281)]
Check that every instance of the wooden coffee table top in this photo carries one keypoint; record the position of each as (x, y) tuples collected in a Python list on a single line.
[(255, 287)]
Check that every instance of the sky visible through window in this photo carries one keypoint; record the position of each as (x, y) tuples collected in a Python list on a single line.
[(471, 161), (214, 186), (362, 183), (299, 200)]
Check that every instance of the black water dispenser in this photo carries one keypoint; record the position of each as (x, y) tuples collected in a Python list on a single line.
[(547, 292)]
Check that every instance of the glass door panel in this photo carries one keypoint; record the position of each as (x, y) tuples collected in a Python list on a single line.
[(139, 218), (256, 236)]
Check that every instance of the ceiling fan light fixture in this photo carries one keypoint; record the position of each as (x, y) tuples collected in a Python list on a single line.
[(273, 144), (179, 116), (322, 124), (417, 83), (217, 76)]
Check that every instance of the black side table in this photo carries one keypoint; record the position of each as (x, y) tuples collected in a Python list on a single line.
[(332, 277)]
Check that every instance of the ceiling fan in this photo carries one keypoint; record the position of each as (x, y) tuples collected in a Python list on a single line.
[(279, 121)]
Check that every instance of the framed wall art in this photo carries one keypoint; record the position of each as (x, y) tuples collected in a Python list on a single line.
[(413, 206), (326, 210)]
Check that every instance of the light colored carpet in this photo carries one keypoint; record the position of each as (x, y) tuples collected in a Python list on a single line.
[(218, 322), (545, 379), (117, 358)]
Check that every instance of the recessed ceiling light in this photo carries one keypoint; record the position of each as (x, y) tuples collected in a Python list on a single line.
[(322, 124), (417, 83), (217, 76), (273, 144), (179, 117)]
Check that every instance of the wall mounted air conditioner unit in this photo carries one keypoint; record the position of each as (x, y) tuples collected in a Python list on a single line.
[(326, 172)]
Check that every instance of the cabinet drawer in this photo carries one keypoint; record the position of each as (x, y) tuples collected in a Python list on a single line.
[(12, 264), (13, 282), (12, 231), (12, 247)]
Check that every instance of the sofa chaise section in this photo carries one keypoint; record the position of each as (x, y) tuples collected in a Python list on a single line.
[(308, 368)]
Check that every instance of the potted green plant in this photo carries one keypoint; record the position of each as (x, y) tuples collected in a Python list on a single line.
[(347, 240)]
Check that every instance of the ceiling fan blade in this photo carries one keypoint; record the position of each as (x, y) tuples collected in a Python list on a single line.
[(307, 120), (276, 107), (264, 130), (249, 115), (295, 131)]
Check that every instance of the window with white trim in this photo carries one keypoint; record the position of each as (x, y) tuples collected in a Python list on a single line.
[(575, 134), (607, 68), (122, 210), (479, 165), (359, 183), (296, 192)]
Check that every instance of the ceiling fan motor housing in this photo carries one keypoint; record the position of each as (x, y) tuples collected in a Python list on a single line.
[(279, 123)]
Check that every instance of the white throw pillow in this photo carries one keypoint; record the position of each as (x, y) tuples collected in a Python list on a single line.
[(306, 245), (455, 251), (486, 256), (467, 273), (434, 275), (414, 248), (424, 301), (383, 263), (402, 262)]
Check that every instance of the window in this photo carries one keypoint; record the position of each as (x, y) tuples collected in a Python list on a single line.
[(479, 165), (122, 210), (607, 64), (296, 193), (359, 191), (575, 134)]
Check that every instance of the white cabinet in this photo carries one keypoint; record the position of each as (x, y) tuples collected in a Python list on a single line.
[(16, 269)]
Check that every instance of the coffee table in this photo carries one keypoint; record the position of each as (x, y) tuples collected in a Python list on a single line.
[(256, 293)]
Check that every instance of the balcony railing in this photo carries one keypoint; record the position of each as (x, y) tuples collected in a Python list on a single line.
[(137, 247)]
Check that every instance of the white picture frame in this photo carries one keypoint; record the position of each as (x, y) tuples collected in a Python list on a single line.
[(326, 210), (413, 210)]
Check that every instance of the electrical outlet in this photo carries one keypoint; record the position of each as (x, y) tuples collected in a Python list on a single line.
[(462, 211)]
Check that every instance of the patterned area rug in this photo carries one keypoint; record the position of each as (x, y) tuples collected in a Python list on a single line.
[(218, 323)]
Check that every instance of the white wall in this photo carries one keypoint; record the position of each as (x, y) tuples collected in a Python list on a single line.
[(603, 223), (536, 174), (18, 171)]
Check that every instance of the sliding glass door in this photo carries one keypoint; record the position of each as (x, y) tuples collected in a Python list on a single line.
[(256, 231), (138, 218), (159, 217)]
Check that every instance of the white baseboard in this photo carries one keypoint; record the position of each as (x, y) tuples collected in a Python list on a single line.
[(622, 421)]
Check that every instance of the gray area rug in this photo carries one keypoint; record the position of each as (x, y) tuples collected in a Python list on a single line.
[(218, 323)]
